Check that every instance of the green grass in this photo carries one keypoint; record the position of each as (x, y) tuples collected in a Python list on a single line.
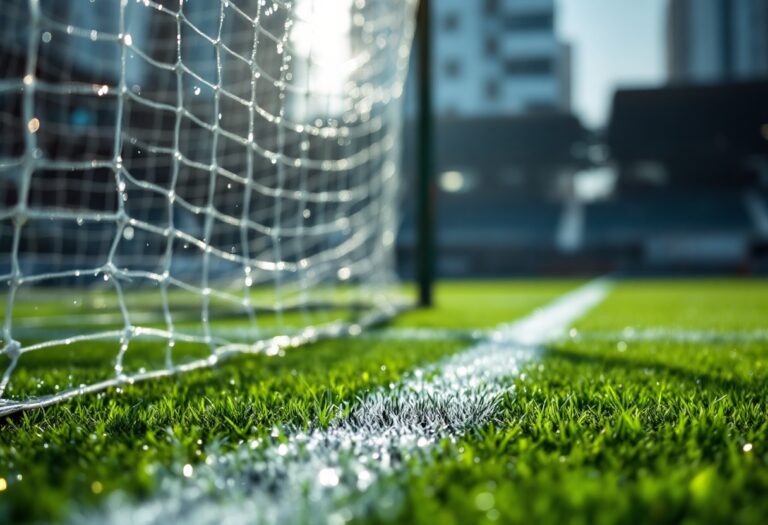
[(61, 451), (714, 304), (598, 431), (484, 304), (591, 438)]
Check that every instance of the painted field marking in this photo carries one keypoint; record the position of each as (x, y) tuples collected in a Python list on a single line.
[(671, 335), (329, 476)]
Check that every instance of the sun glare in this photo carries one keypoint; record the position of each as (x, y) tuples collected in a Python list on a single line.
[(321, 40)]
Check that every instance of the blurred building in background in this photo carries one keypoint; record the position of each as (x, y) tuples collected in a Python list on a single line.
[(691, 158), (717, 40), (675, 181), (506, 143), (499, 57), (690, 195)]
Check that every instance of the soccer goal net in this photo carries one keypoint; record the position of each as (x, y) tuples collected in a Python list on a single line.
[(186, 180)]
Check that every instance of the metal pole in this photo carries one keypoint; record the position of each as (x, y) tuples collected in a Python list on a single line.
[(425, 202)]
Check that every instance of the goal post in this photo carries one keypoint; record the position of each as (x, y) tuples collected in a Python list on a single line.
[(183, 181), (425, 198)]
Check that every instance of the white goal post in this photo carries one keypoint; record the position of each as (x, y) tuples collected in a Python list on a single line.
[(169, 167)]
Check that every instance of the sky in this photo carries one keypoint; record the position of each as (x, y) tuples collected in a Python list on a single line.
[(615, 43)]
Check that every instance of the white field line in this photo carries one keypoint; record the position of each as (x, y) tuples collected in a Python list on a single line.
[(659, 334), (671, 335), (328, 476), (426, 334)]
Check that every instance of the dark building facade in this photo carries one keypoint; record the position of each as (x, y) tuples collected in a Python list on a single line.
[(717, 40)]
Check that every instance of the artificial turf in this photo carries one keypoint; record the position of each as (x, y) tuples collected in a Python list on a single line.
[(606, 429)]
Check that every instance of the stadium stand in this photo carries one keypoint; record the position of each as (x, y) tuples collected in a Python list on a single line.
[(691, 189)]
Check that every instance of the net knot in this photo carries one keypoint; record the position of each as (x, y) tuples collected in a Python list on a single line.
[(20, 217), (12, 349)]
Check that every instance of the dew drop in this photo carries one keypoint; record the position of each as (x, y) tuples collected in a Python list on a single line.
[(328, 477)]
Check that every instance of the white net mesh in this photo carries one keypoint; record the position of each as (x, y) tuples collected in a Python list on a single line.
[(191, 179)]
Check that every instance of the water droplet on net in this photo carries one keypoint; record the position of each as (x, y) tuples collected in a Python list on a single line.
[(196, 90), (33, 125), (328, 477)]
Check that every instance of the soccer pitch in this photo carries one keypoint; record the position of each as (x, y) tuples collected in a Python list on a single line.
[(647, 405)]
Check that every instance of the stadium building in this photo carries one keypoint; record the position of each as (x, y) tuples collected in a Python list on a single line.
[(517, 65), (716, 40), (506, 142)]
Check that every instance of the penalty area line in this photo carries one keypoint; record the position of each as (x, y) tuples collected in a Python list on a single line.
[(333, 475)]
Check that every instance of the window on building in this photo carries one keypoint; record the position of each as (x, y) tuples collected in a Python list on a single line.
[(451, 22), (492, 89), (452, 68), (451, 110), (528, 66), (540, 106), (491, 46), (529, 22)]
